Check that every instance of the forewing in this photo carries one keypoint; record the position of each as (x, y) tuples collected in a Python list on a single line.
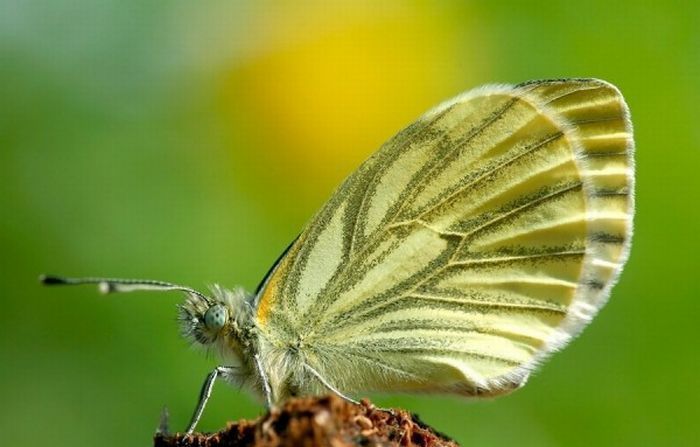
[(475, 242)]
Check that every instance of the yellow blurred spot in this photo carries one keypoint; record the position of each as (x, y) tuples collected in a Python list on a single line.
[(323, 90)]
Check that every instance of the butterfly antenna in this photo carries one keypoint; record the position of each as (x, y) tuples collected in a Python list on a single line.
[(113, 285)]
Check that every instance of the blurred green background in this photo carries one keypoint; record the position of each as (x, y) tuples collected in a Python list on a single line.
[(190, 141)]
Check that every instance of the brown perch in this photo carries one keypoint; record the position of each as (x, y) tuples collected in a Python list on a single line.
[(318, 421)]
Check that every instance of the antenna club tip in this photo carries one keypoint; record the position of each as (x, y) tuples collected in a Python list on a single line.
[(49, 280)]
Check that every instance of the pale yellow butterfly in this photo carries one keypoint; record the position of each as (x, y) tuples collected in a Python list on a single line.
[(467, 249)]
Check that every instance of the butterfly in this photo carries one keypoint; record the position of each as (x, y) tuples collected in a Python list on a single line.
[(471, 246)]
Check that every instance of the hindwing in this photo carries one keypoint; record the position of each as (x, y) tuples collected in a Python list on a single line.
[(472, 244)]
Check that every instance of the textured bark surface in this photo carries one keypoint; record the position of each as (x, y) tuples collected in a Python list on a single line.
[(323, 421)]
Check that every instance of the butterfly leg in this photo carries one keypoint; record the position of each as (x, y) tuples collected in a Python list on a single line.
[(205, 393), (328, 385), (265, 382)]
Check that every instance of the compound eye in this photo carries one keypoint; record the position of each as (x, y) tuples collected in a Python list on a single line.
[(215, 317)]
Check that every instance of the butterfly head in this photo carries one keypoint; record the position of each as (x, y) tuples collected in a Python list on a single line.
[(208, 320)]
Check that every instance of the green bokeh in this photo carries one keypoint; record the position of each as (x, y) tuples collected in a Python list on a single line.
[(114, 160)]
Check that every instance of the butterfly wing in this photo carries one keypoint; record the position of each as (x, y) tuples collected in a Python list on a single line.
[(471, 245)]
